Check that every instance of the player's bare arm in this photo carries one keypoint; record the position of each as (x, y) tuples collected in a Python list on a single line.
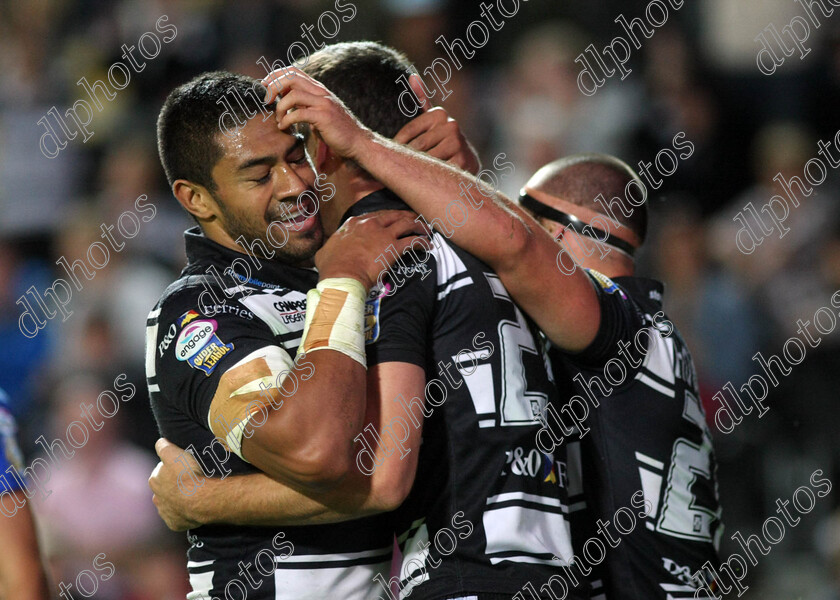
[(524, 256), (300, 429), (257, 499)]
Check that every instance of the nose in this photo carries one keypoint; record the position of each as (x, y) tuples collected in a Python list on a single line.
[(295, 181)]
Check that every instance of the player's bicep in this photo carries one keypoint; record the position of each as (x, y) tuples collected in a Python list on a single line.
[(621, 320), (245, 394), (192, 351), (563, 305)]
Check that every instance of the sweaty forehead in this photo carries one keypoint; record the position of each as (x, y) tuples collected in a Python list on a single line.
[(256, 139)]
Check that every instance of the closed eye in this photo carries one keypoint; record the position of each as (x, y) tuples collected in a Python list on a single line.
[(263, 180)]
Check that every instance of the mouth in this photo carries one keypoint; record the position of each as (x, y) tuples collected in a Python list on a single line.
[(293, 216)]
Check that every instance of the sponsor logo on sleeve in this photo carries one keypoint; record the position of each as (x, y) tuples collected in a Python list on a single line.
[(187, 317), (606, 283), (372, 305), (200, 347), (167, 339)]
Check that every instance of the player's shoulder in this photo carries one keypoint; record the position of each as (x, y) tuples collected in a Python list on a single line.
[(185, 290), (453, 265)]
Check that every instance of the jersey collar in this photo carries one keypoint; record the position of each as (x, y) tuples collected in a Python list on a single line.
[(202, 251), (644, 290), (383, 199)]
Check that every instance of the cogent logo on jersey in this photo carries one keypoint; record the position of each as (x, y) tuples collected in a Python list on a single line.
[(199, 346)]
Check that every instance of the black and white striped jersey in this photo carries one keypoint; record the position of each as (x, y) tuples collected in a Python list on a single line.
[(487, 512), (205, 323), (648, 467)]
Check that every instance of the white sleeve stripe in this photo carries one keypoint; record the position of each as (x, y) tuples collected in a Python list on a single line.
[(193, 564), (507, 497), (326, 558), (454, 286), (151, 346)]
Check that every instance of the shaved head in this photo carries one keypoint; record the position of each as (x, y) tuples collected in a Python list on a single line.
[(582, 178)]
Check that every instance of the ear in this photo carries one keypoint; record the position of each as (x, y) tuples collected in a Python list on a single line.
[(322, 154), (195, 199), (416, 85), (552, 227)]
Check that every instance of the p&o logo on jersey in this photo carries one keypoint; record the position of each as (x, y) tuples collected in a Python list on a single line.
[(680, 572), (531, 463), (199, 346)]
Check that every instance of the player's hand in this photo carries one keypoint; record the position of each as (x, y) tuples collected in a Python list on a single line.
[(304, 100), (177, 469), (360, 248), (437, 134)]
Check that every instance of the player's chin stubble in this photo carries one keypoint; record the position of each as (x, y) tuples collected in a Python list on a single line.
[(298, 247)]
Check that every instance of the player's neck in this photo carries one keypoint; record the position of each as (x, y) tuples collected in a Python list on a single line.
[(613, 266), (348, 192), (213, 231)]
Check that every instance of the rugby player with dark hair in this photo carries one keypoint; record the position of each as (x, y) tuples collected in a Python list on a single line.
[(221, 346), (587, 317), (481, 522), (649, 443)]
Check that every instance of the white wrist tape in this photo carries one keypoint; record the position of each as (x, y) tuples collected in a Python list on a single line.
[(335, 318)]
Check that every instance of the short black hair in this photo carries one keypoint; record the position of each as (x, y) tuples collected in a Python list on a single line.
[(581, 178), (188, 124), (364, 76)]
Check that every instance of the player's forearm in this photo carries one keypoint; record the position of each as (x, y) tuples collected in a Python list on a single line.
[(253, 500), (429, 186), (307, 436), (498, 232), (258, 500)]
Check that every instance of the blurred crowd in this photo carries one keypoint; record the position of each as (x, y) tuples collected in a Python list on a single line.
[(518, 95)]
